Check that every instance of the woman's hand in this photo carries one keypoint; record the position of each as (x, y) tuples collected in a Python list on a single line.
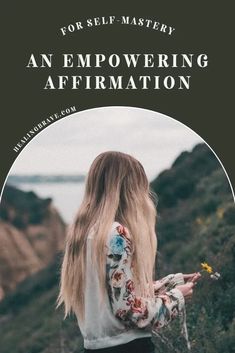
[(186, 289), (191, 280), (192, 277)]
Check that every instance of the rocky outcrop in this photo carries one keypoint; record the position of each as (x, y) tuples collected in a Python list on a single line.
[(31, 233)]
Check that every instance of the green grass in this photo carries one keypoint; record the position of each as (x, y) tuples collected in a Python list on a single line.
[(35, 325)]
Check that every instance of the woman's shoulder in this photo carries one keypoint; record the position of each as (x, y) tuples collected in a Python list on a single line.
[(116, 228), (119, 229)]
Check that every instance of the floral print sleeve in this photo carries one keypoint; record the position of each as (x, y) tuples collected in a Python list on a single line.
[(167, 283), (137, 311)]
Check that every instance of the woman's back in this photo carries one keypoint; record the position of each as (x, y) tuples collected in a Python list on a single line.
[(100, 327)]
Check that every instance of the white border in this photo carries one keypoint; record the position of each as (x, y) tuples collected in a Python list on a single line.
[(121, 106)]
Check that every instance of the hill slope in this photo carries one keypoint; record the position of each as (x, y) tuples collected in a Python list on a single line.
[(31, 232), (196, 223)]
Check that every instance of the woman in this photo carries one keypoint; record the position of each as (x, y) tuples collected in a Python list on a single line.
[(108, 266)]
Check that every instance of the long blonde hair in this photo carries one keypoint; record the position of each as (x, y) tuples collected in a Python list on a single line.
[(116, 189)]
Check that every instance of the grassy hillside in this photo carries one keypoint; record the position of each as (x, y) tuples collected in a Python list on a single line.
[(29, 322), (196, 222)]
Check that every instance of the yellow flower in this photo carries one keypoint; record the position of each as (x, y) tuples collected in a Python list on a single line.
[(206, 267)]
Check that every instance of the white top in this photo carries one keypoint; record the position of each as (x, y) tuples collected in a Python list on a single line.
[(124, 317)]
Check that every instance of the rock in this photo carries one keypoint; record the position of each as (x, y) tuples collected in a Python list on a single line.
[(31, 234)]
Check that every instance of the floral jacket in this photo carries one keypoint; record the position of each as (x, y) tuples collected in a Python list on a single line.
[(137, 311)]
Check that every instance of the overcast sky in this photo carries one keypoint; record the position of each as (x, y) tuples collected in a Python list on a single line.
[(70, 145)]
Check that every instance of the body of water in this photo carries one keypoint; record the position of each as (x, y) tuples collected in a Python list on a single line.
[(66, 196)]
